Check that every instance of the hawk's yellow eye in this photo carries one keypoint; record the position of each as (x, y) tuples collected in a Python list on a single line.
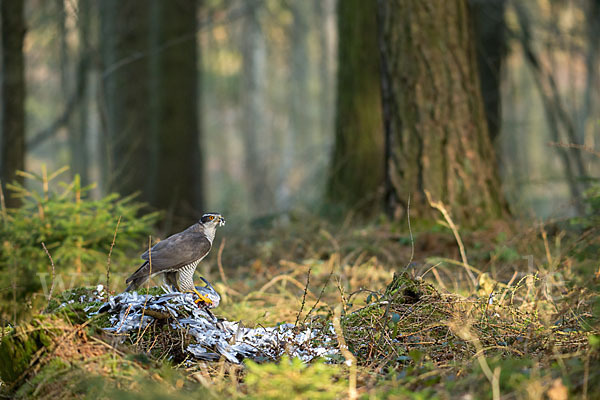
[(211, 217)]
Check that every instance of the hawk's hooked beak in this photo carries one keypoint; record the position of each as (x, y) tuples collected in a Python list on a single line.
[(221, 220)]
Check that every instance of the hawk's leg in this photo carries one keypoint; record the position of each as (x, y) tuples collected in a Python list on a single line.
[(202, 297)]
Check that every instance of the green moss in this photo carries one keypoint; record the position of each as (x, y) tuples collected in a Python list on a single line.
[(404, 289), (74, 295), (74, 305), (101, 320), (49, 373), (154, 291), (18, 348), (366, 313)]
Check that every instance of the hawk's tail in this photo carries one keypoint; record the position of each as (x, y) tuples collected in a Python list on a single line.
[(138, 277)]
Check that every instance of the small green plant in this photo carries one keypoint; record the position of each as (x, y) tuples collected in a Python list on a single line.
[(293, 379), (77, 231)]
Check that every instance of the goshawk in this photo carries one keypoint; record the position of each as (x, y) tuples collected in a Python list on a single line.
[(175, 259)]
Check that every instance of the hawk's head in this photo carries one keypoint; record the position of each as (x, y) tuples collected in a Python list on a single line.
[(212, 220)]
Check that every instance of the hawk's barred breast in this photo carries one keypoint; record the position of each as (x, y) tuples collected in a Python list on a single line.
[(185, 276)]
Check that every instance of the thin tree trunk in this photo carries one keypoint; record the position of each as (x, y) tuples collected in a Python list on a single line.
[(256, 154), (78, 132), (325, 11), (13, 95), (591, 64), (555, 112), (298, 136)]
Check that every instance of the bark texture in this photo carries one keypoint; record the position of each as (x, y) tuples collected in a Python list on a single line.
[(150, 88), (125, 76), (78, 124), (357, 168), (490, 37), (438, 136), (179, 180), (253, 95), (12, 134)]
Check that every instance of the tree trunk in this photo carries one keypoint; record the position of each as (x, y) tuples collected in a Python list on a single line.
[(125, 76), (12, 155), (78, 126), (256, 151), (439, 139), (591, 65), (178, 178), (325, 14), (150, 88), (490, 36), (296, 138), (357, 168)]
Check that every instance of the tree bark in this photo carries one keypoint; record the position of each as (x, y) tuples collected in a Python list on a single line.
[(591, 65), (490, 38), (78, 127), (256, 143), (151, 105), (125, 76), (325, 16), (440, 141), (178, 179), (13, 96), (357, 168)]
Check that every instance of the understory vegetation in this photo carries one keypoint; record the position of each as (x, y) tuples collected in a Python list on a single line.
[(514, 315)]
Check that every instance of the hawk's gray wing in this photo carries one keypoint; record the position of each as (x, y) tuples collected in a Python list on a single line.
[(170, 254), (178, 250)]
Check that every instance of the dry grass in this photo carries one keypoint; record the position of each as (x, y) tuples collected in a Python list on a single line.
[(414, 327)]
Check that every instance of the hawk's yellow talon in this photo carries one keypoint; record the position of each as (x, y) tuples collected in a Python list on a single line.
[(201, 297)]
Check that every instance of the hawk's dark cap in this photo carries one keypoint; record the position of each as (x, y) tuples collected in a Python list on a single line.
[(206, 218)]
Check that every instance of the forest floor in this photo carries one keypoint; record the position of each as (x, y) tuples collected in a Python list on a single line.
[(514, 315)]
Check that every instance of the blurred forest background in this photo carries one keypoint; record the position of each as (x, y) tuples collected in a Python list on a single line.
[(233, 106)]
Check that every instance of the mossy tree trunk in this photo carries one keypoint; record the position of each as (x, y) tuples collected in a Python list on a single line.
[(357, 168), (438, 136), (12, 133)]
